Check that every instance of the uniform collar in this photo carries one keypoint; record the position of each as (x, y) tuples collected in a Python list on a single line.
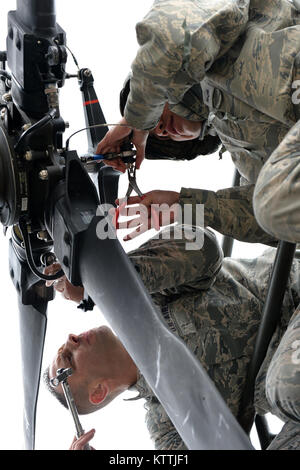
[(141, 386)]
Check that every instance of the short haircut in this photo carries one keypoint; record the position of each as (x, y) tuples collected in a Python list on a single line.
[(81, 408), (53, 390)]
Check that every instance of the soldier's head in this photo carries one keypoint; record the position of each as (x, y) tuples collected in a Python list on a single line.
[(175, 137), (102, 369)]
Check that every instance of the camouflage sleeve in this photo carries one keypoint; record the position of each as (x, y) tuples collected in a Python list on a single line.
[(283, 376), (161, 428), (164, 262), (179, 41), (288, 438), (228, 211), (277, 191)]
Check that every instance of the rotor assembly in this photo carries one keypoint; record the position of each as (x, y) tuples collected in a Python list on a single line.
[(49, 199)]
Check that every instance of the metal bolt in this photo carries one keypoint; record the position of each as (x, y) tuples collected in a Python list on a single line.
[(26, 126), (48, 258), (43, 235), (87, 73), (51, 88), (7, 97), (28, 155), (43, 175), (2, 114), (67, 125)]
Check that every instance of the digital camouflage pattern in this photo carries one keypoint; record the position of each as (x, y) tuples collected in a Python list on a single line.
[(288, 438), (229, 211), (227, 51), (283, 386), (277, 192), (215, 306), (283, 377)]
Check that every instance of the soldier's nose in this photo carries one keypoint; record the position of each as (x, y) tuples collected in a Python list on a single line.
[(73, 340), (160, 129)]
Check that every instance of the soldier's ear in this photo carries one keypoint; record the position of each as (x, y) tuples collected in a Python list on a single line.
[(98, 393)]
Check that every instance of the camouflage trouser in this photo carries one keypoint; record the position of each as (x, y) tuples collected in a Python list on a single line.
[(283, 386)]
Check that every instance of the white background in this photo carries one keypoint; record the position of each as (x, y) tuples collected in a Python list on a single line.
[(102, 37)]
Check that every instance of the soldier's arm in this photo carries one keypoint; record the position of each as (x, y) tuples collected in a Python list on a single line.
[(229, 211), (164, 263), (161, 429), (179, 41), (282, 381), (168, 264), (277, 191)]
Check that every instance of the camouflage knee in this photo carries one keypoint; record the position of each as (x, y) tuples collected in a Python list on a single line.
[(283, 377)]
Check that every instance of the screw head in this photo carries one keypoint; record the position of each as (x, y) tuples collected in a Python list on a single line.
[(26, 126), (28, 155), (7, 97), (43, 175), (42, 235)]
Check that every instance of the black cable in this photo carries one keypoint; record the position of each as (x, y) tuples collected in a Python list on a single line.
[(91, 127), (4, 73), (29, 255), (73, 56), (35, 127)]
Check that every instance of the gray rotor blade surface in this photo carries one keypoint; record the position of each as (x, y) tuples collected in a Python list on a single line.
[(33, 300), (191, 400), (33, 324)]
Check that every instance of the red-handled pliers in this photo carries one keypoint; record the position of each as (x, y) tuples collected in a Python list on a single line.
[(132, 186)]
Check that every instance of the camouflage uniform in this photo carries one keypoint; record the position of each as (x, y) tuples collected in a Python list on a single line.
[(218, 61), (277, 192), (215, 307), (283, 377), (277, 210)]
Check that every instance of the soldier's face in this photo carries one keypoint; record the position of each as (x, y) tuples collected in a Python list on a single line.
[(174, 127), (86, 354)]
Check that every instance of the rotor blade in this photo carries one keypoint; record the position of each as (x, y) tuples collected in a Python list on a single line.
[(33, 299), (33, 324), (184, 389)]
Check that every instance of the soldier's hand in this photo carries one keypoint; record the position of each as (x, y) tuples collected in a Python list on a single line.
[(82, 441), (63, 286), (154, 210), (114, 139)]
